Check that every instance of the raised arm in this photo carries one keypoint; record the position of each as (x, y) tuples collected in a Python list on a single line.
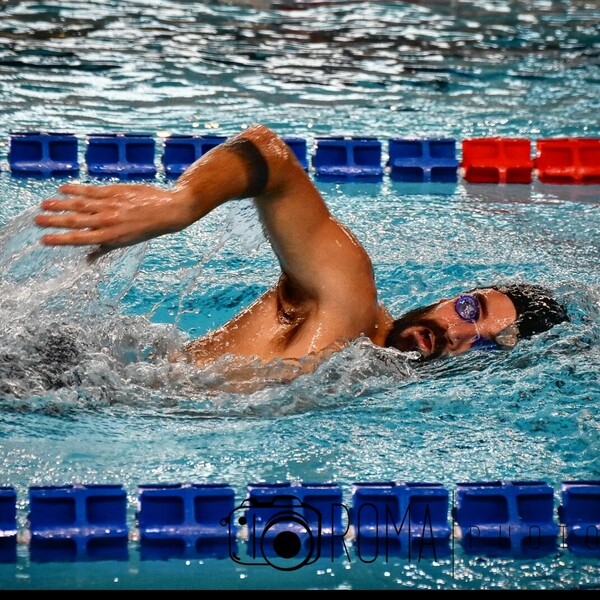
[(315, 251), (123, 214)]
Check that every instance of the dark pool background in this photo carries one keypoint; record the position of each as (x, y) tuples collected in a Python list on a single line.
[(86, 392)]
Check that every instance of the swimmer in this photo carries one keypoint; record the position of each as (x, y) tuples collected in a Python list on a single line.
[(325, 296)]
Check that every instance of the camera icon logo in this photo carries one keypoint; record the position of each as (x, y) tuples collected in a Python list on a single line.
[(283, 532)]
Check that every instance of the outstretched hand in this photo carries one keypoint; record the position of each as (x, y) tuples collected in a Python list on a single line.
[(111, 216)]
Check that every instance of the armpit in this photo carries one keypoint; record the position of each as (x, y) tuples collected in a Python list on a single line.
[(291, 303)]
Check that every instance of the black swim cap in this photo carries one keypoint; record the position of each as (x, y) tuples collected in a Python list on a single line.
[(537, 309)]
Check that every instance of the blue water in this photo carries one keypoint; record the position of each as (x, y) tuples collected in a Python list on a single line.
[(86, 392)]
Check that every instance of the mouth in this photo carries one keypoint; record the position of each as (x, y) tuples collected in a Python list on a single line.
[(424, 341)]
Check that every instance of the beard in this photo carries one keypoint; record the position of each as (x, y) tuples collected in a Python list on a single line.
[(396, 337)]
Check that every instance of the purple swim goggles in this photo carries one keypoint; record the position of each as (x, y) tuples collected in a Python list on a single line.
[(468, 308)]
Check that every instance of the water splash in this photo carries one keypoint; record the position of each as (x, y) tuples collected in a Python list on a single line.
[(60, 325), (67, 343)]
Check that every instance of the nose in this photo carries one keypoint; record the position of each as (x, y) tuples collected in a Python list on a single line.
[(461, 335)]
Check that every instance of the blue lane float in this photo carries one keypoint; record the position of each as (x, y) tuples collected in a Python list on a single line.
[(341, 158), (423, 160), (122, 155), (185, 520), (579, 513), (43, 154), (78, 523), (180, 151), (287, 525), (506, 518), (401, 518), (8, 524), (291, 525), (299, 147)]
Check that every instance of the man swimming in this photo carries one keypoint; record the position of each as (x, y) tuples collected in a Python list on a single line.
[(325, 296)]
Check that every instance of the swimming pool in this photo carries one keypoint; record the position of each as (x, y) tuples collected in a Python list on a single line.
[(121, 414)]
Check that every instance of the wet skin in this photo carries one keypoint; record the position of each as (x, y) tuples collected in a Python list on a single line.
[(438, 330), (325, 296)]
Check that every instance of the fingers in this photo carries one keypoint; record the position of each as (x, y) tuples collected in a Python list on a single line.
[(92, 198), (90, 191), (81, 198), (81, 237), (73, 220), (75, 205), (111, 216), (76, 211), (55, 205)]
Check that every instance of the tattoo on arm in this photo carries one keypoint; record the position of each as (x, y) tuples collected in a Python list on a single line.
[(258, 169)]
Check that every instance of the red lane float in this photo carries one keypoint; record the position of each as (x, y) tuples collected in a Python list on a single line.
[(572, 160), (497, 160)]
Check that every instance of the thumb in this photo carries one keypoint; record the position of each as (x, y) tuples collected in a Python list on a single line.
[(95, 254)]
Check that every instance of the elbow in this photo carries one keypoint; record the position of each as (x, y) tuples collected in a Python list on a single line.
[(280, 163), (272, 146), (260, 134)]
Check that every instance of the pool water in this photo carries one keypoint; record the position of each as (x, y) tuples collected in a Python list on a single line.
[(87, 394)]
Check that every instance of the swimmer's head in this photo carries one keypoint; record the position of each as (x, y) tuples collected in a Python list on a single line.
[(492, 317), (537, 309)]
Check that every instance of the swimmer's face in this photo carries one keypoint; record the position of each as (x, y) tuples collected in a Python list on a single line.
[(448, 328)]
